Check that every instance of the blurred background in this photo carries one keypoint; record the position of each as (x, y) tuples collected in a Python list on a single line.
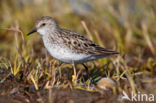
[(127, 26), (124, 25)]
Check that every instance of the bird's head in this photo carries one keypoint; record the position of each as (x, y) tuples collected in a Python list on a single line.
[(43, 25)]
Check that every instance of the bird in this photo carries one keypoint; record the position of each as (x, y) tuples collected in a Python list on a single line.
[(68, 46)]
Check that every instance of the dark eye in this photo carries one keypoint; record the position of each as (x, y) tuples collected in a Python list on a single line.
[(43, 24)]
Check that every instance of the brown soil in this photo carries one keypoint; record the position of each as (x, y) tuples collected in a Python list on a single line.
[(14, 91)]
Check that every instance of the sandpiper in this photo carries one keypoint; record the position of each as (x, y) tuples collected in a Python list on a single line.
[(68, 46)]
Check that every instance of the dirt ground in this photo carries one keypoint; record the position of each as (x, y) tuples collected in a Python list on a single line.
[(14, 91)]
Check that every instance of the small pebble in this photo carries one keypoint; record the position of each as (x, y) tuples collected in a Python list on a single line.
[(106, 83)]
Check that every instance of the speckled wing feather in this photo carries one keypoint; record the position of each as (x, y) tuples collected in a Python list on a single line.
[(83, 45)]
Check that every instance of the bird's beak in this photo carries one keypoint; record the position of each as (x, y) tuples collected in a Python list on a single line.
[(33, 31)]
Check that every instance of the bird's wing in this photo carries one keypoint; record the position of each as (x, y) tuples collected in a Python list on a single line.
[(83, 45)]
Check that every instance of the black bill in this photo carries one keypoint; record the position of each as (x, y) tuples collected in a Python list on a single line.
[(33, 31)]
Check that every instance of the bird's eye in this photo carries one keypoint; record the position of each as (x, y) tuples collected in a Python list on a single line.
[(43, 24)]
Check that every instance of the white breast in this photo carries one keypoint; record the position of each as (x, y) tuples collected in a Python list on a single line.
[(64, 54)]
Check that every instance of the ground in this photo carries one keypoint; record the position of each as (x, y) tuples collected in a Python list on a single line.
[(14, 91), (28, 74)]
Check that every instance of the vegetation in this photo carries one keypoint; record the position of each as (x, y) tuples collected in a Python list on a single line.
[(125, 26)]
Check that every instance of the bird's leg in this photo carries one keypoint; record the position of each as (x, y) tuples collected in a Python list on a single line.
[(86, 68), (74, 76)]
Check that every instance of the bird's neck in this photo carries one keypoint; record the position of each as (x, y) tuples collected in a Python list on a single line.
[(52, 35)]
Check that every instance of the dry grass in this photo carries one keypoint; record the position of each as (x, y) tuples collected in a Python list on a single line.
[(125, 26)]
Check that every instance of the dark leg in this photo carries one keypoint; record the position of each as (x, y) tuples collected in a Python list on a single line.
[(86, 68)]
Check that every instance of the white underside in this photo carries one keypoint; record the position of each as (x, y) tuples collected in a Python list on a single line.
[(67, 56), (63, 53)]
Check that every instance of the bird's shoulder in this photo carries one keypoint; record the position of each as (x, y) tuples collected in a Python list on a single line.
[(81, 44), (77, 41), (75, 37)]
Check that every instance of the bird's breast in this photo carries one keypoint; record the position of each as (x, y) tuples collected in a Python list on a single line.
[(64, 54)]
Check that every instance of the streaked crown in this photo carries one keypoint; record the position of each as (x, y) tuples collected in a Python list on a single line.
[(45, 23)]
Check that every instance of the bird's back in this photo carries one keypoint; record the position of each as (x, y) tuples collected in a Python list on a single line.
[(80, 44)]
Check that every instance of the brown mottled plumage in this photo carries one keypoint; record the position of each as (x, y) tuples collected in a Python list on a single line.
[(82, 44), (68, 46)]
